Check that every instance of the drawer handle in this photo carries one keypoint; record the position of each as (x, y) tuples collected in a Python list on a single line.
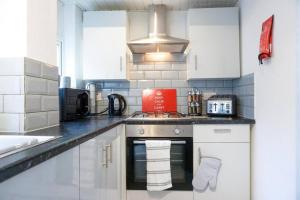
[(104, 157), (222, 131)]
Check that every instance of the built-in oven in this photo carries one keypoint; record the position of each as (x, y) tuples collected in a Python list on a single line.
[(181, 154)]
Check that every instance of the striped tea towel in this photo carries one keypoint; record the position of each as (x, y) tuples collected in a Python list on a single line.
[(158, 165)]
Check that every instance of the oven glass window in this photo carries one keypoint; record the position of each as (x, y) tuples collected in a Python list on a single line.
[(181, 165)]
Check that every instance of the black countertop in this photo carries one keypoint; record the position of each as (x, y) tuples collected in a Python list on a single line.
[(76, 132)]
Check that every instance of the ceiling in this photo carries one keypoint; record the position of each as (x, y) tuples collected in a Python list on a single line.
[(143, 4)]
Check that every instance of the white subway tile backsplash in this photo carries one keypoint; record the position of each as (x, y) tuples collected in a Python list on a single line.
[(179, 67), (167, 75), (136, 75), (10, 84), (11, 66), (131, 101), (170, 75), (52, 88), (152, 75), (163, 66), (24, 88), (133, 84), (53, 118), (133, 109), (9, 122), (183, 75), (35, 121), (149, 67), (35, 85), (179, 83), (33, 67), (1, 104), (163, 83), (139, 101), (49, 72), (50, 103), (133, 67), (14, 104), (33, 103), (121, 92), (144, 84), (135, 92), (181, 101)]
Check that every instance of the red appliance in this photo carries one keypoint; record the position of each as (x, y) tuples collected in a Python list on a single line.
[(159, 100)]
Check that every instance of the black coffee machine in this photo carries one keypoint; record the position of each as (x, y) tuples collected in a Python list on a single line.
[(112, 110)]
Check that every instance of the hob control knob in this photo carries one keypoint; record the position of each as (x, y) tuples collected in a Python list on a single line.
[(140, 131), (177, 131)]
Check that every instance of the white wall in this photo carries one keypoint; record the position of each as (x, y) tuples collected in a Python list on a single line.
[(13, 30), (72, 44), (28, 29), (274, 135), (42, 30), (298, 99)]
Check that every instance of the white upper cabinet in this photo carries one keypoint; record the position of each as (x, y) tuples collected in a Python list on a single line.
[(214, 43), (104, 45)]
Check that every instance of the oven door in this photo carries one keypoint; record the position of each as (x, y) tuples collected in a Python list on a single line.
[(181, 163)]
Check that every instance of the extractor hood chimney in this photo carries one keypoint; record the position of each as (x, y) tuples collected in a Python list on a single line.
[(158, 40)]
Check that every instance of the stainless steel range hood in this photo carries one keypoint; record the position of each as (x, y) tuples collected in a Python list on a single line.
[(158, 40)]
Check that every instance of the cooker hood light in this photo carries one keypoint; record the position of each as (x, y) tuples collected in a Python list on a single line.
[(158, 40)]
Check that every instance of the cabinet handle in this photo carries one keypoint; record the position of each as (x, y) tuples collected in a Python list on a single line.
[(109, 152), (121, 65), (196, 63), (104, 157), (222, 131)]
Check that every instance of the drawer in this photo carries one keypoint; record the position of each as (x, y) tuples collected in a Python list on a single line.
[(221, 133)]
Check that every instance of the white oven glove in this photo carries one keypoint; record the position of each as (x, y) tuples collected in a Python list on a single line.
[(207, 174)]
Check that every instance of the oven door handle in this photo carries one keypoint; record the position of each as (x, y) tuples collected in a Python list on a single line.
[(172, 142)]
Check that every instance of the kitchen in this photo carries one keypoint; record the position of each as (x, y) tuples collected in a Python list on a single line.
[(104, 49)]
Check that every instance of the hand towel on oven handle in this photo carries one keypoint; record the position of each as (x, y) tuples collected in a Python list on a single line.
[(207, 174), (158, 165)]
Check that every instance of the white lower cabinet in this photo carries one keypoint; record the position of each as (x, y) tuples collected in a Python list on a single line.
[(231, 144), (101, 168), (54, 179)]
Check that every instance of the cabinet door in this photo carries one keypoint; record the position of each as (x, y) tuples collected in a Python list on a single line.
[(113, 170), (104, 45), (54, 179), (93, 169), (234, 176), (214, 42)]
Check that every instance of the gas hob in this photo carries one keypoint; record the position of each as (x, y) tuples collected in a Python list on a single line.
[(157, 115)]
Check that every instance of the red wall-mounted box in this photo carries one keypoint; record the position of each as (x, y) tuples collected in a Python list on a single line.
[(159, 100)]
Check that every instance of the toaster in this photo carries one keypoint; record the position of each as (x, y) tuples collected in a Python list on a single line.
[(221, 105)]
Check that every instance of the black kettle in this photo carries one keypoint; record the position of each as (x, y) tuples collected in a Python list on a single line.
[(112, 110)]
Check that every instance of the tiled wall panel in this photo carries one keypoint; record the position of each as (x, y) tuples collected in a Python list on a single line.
[(28, 95), (158, 75), (244, 89)]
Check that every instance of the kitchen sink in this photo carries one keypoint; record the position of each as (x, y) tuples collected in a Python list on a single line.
[(10, 144)]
